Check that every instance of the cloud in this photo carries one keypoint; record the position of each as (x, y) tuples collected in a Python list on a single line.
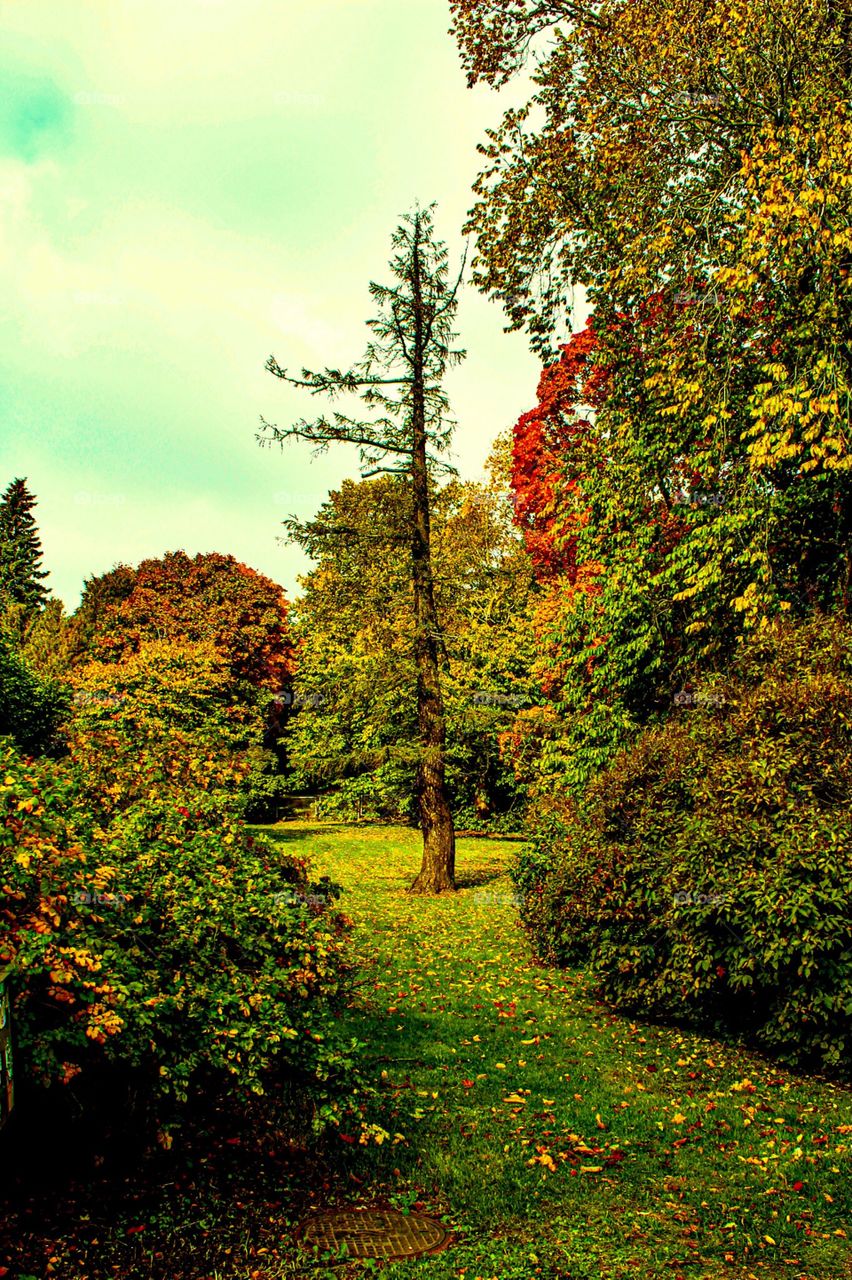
[(186, 188)]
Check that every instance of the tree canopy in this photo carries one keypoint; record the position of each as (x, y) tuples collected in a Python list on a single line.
[(354, 734)]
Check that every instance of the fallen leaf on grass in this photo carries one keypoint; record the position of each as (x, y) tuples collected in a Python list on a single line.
[(545, 1159)]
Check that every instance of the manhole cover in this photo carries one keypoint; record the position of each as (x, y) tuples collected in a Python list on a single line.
[(374, 1233)]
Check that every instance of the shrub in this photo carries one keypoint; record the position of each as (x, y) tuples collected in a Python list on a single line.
[(168, 701), (31, 709), (705, 874), (156, 934), (263, 789)]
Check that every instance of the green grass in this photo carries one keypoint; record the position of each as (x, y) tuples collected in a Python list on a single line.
[(558, 1138)]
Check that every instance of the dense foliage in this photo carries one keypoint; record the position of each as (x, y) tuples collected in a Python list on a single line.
[(148, 930), (21, 574), (31, 709), (169, 699), (186, 645), (683, 487), (687, 167), (148, 933), (706, 872), (353, 734), (198, 598), (618, 539)]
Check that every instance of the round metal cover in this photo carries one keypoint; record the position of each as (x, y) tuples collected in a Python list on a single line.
[(374, 1233)]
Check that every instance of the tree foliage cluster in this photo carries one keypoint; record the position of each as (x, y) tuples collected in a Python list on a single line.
[(354, 736), (683, 484), (685, 165), (33, 700), (151, 938), (197, 644), (21, 574), (204, 598)]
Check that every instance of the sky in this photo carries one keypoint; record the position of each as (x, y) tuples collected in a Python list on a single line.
[(189, 186)]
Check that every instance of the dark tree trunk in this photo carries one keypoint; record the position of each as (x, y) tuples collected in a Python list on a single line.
[(437, 874)]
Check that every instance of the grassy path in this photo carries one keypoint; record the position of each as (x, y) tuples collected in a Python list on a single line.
[(560, 1140)]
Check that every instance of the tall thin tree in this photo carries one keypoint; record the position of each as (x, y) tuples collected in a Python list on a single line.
[(405, 431)]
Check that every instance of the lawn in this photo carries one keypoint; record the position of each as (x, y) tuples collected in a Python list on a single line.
[(556, 1138)]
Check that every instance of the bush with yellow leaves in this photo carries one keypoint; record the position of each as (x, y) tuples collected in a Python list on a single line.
[(161, 936)]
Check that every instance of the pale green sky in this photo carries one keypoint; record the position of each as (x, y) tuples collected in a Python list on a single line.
[(187, 186)]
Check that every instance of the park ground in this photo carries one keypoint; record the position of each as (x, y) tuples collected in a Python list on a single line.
[(555, 1138)]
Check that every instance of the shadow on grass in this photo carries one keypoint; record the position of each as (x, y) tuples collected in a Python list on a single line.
[(287, 831), (475, 879)]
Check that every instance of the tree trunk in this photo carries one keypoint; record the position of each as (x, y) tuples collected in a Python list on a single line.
[(437, 874)]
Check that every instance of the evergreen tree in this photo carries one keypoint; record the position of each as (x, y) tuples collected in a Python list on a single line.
[(400, 381), (21, 574)]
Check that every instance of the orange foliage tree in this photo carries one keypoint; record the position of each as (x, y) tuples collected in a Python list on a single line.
[(208, 597)]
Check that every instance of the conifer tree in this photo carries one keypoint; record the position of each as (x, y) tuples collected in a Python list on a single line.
[(404, 431), (21, 574)]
